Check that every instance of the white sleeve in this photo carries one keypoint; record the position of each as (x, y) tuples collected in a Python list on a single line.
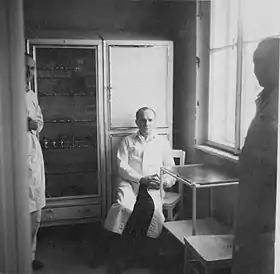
[(168, 161), (126, 172), (38, 114), (39, 118)]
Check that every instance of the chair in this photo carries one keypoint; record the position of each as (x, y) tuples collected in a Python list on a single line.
[(173, 201)]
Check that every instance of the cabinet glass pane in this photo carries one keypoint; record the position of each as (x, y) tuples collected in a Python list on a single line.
[(66, 87), (138, 77)]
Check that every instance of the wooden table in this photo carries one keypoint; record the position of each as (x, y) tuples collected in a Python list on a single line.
[(199, 176), (212, 251)]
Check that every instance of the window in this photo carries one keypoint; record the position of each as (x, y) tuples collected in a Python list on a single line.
[(236, 28)]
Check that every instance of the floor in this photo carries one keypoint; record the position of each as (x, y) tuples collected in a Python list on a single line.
[(66, 250)]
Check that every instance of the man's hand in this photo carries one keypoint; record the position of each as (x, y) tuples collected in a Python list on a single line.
[(151, 182), (165, 184), (31, 124)]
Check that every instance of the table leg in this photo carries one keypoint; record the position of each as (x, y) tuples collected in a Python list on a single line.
[(161, 185), (181, 205), (211, 202), (194, 210), (187, 269)]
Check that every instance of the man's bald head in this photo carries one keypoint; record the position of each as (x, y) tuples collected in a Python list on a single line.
[(145, 120), (140, 110), (266, 61)]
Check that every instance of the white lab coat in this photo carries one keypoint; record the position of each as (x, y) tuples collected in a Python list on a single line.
[(137, 157), (36, 170)]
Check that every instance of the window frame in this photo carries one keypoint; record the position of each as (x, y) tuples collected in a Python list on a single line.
[(239, 44), (204, 50)]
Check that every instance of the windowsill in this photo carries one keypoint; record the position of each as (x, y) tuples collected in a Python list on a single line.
[(217, 152)]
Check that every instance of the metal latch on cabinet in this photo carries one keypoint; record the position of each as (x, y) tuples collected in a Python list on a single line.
[(49, 214), (109, 92)]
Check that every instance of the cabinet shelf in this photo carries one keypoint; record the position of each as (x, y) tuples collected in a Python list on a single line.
[(63, 172), (65, 73), (89, 94), (55, 121), (41, 74), (65, 148), (66, 144)]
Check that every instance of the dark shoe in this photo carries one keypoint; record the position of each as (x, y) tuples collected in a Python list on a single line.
[(36, 265)]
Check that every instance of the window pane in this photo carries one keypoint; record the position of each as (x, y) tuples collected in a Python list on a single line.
[(260, 18), (223, 23), (250, 89), (222, 96)]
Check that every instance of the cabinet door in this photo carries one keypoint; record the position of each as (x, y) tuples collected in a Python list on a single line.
[(139, 76), (67, 84)]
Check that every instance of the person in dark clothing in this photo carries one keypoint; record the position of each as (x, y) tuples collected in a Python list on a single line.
[(254, 234)]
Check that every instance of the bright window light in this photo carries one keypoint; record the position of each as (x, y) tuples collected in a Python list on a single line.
[(237, 26)]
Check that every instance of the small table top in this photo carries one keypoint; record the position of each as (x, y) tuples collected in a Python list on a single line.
[(207, 226), (211, 247), (202, 174)]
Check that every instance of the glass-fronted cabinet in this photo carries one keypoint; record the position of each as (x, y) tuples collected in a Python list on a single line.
[(66, 84), (89, 91), (68, 87)]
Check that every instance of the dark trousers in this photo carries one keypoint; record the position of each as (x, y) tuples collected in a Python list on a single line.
[(120, 246), (136, 228)]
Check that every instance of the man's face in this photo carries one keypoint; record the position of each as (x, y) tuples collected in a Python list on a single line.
[(146, 122), (30, 68)]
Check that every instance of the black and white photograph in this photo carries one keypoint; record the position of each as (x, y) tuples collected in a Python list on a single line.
[(139, 137)]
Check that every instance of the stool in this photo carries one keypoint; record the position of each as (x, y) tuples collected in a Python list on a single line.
[(211, 251)]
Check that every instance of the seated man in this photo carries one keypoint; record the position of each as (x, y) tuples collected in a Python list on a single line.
[(137, 213)]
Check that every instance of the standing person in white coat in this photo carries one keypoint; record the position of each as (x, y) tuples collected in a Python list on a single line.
[(137, 212), (36, 171)]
